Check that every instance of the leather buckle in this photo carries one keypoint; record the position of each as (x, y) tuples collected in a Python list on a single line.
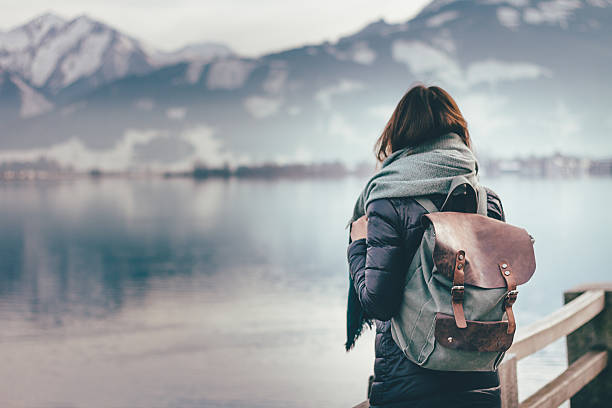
[(457, 292)]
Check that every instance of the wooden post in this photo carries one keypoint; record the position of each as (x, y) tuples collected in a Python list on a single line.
[(508, 381), (596, 334)]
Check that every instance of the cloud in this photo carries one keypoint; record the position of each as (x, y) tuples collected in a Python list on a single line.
[(339, 126), (145, 104), (73, 152), (352, 141), (496, 128), (563, 126), (73, 108), (487, 115), (493, 71), (363, 54), (276, 79), (554, 11), (442, 18), (382, 112), (301, 154), (443, 40), (509, 17), (515, 3), (209, 149), (261, 107), (423, 59), (294, 110), (434, 64), (162, 150), (138, 149), (359, 52), (324, 95), (176, 113)]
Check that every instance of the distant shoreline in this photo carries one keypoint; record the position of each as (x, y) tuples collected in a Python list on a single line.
[(554, 167)]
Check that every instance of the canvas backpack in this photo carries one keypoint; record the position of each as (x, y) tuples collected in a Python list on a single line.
[(456, 313)]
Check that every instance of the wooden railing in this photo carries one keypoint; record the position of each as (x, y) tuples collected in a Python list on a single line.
[(586, 320)]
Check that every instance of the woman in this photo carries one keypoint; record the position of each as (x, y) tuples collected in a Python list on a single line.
[(425, 143)]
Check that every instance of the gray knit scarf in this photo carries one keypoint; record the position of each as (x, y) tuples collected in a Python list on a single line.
[(410, 172)]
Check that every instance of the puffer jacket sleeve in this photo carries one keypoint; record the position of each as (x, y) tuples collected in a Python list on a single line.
[(494, 206), (376, 262)]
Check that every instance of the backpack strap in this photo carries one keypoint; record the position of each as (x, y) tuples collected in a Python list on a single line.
[(458, 289), (427, 204), (475, 200), (474, 195), (459, 185), (482, 200), (510, 298)]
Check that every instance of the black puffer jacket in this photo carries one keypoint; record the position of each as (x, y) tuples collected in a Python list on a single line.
[(378, 266)]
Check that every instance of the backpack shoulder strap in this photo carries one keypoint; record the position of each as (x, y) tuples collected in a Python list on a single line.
[(459, 185), (474, 193), (427, 204), (482, 200)]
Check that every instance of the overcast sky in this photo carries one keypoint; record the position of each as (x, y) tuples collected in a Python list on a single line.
[(250, 27)]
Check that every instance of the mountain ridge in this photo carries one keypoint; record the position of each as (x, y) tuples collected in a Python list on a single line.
[(65, 58)]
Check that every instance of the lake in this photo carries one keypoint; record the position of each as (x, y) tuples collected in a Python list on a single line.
[(228, 293)]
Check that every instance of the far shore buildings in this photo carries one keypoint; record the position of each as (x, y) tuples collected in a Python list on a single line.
[(555, 166)]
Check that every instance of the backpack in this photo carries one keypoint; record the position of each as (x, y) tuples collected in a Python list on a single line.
[(456, 313)]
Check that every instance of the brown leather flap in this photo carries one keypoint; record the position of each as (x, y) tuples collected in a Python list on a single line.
[(477, 336), (487, 242)]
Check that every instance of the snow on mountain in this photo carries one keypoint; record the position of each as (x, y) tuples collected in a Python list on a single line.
[(30, 33), (513, 12), (52, 54), (66, 58), (49, 53), (229, 73), (32, 102), (202, 52), (20, 98)]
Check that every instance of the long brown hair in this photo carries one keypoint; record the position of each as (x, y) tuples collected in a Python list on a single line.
[(422, 114)]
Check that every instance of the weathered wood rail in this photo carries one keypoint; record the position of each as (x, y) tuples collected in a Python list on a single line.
[(586, 321)]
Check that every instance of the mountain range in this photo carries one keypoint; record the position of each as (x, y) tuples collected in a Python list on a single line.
[(531, 77)]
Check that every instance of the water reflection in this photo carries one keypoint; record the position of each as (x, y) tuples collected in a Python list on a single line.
[(84, 247)]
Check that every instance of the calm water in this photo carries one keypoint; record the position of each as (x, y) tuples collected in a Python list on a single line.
[(174, 293)]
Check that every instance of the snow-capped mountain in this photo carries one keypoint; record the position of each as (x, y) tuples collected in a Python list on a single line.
[(531, 76), (64, 59), (53, 54)]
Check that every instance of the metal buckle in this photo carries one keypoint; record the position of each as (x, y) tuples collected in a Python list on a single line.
[(457, 292), (511, 296)]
